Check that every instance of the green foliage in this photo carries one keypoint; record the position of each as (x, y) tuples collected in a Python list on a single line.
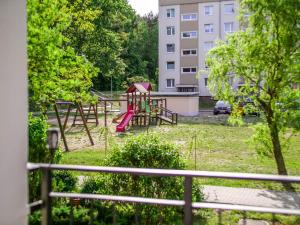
[(265, 55), (54, 69), (39, 153), (103, 37), (72, 43), (261, 140), (37, 129), (61, 216), (142, 151), (141, 54), (64, 181)]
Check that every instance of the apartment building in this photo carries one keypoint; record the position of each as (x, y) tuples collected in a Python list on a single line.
[(188, 29)]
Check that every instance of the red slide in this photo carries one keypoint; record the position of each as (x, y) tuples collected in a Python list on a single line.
[(121, 126)]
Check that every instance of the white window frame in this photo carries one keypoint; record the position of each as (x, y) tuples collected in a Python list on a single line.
[(205, 45), (191, 72), (169, 13), (231, 24), (211, 28), (195, 49), (167, 48), (190, 36), (190, 17), (172, 83), (211, 12), (227, 11), (168, 63), (172, 30)]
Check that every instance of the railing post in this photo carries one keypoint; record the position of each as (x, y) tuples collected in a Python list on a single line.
[(219, 211), (46, 189), (188, 213)]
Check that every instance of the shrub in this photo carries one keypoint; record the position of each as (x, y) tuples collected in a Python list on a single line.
[(62, 215), (39, 153), (144, 151), (64, 181)]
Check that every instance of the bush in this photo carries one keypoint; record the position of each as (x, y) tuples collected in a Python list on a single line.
[(37, 129), (62, 215), (39, 153), (144, 151), (64, 181)]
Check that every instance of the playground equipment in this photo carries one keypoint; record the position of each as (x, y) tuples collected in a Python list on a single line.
[(80, 112), (142, 110), (90, 113)]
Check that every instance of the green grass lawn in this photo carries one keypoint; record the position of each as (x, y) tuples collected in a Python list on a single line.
[(219, 148)]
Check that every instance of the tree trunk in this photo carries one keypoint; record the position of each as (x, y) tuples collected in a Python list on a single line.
[(277, 151)]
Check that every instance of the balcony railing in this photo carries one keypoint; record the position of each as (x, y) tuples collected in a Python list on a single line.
[(47, 194)]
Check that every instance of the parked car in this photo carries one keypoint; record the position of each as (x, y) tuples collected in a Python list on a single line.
[(222, 107)]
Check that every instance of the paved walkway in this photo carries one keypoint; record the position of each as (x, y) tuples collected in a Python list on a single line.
[(252, 197)]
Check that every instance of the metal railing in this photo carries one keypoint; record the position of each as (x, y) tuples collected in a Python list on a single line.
[(47, 194)]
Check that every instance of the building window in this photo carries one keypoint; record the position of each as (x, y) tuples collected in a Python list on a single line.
[(228, 27), (208, 10), (229, 8), (206, 82), (170, 13), (189, 17), (208, 45), (188, 69), (171, 65), (170, 31), (208, 28), (170, 48), (186, 89), (189, 34), (189, 52), (170, 83)]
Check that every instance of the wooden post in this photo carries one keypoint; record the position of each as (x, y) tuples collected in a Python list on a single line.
[(96, 113), (105, 119), (75, 117), (45, 190), (62, 131), (127, 100), (166, 107), (67, 117), (79, 106), (188, 213)]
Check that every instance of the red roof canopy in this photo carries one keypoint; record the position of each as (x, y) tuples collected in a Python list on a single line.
[(140, 87)]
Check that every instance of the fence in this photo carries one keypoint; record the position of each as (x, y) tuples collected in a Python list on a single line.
[(186, 203)]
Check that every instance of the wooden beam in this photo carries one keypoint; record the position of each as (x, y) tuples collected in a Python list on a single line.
[(62, 131), (79, 106)]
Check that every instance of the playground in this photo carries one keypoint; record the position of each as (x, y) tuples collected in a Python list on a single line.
[(142, 111)]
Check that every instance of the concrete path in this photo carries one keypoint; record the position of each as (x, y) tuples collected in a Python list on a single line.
[(252, 197)]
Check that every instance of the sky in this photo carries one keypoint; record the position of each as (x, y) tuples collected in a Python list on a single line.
[(144, 6)]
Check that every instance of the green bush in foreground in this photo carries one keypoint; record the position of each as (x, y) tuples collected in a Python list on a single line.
[(144, 151)]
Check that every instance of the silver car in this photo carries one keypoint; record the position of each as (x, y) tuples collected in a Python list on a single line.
[(222, 107)]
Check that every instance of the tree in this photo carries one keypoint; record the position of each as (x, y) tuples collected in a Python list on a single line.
[(265, 55), (141, 55), (54, 69), (102, 39)]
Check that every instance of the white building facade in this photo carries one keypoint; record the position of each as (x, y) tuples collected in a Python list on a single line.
[(188, 29)]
